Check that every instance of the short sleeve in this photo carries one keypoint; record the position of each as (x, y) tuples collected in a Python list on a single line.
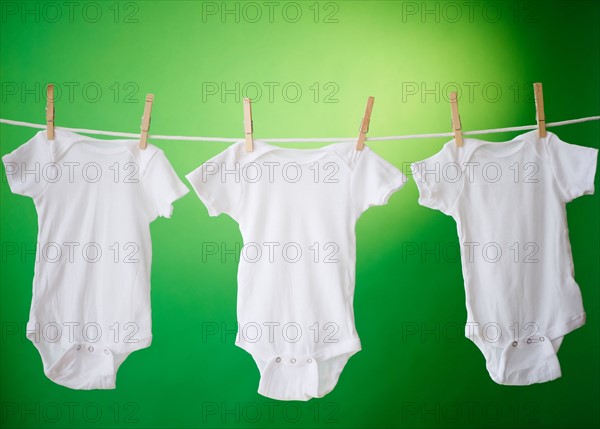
[(217, 183), (574, 167), (162, 185), (374, 180), (439, 179), (25, 166)]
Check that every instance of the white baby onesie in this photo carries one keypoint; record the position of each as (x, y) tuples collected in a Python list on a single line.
[(296, 210), (508, 200), (95, 200)]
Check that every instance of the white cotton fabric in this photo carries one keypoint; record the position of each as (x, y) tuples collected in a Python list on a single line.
[(296, 210), (508, 200), (95, 200)]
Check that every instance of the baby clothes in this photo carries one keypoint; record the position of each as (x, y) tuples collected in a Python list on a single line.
[(95, 200), (296, 210), (508, 201)]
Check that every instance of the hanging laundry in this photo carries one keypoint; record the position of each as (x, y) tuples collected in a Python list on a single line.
[(508, 200), (297, 210), (95, 200)]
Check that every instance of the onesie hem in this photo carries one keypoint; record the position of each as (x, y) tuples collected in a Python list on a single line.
[(567, 327), (550, 370), (90, 382), (106, 382), (300, 362)]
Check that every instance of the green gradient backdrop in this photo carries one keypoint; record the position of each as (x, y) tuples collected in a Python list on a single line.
[(354, 49)]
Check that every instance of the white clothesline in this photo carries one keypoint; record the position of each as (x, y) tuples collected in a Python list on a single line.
[(299, 140)]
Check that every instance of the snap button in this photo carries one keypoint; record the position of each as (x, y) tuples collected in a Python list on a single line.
[(90, 348), (308, 360), (514, 344), (292, 360), (542, 339), (278, 359), (79, 347), (528, 340), (105, 351)]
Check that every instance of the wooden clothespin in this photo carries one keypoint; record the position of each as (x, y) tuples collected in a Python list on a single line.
[(456, 125), (364, 125), (538, 92), (50, 111), (145, 127), (248, 125)]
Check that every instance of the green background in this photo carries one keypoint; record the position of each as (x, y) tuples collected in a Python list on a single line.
[(416, 369)]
